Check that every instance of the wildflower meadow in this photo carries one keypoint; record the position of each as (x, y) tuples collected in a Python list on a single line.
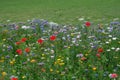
[(42, 50)]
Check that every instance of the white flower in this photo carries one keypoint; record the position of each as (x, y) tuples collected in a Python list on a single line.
[(73, 41), (107, 42), (53, 24), (78, 36), (114, 38), (52, 51), (63, 38), (81, 19), (25, 27), (112, 48), (16, 55), (117, 49), (108, 50), (109, 35)]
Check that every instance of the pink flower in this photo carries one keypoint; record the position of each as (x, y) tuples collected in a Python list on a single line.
[(113, 75)]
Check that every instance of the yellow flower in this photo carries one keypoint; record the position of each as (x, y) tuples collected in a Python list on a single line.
[(4, 73), (51, 70), (43, 54), (2, 57), (4, 39), (94, 68), (33, 60), (86, 54), (12, 62), (69, 47), (23, 77), (1, 61), (57, 71), (61, 64), (119, 42)]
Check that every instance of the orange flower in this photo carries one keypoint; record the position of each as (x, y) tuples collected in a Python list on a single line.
[(100, 50), (27, 50), (83, 58)]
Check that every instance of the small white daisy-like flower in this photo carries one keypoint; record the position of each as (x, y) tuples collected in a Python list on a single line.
[(25, 27), (16, 55), (108, 50), (109, 35), (107, 42), (113, 48), (117, 49), (114, 38), (78, 36), (63, 38), (52, 51), (81, 19)]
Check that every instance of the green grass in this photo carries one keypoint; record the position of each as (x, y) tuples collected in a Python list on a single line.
[(61, 11)]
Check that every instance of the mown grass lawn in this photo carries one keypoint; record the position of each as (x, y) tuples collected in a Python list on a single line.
[(61, 11)]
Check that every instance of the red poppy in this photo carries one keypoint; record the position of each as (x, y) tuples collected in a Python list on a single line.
[(100, 50), (13, 78), (19, 51), (87, 24), (17, 43), (52, 38), (27, 50), (23, 39), (40, 41)]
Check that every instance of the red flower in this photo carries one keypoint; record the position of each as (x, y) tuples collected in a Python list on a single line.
[(98, 55), (13, 78), (19, 51), (40, 41), (52, 38), (27, 50), (17, 43), (23, 39), (100, 50), (87, 24)]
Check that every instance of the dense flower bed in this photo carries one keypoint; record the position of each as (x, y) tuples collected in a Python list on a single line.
[(42, 50)]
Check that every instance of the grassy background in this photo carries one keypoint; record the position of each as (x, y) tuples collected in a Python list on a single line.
[(61, 11)]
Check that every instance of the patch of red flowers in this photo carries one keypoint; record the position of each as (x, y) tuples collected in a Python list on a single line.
[(87, 24), (19, 51), (27, 50), (53, 37), (23, 39), (40, 41), (100, 50)]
